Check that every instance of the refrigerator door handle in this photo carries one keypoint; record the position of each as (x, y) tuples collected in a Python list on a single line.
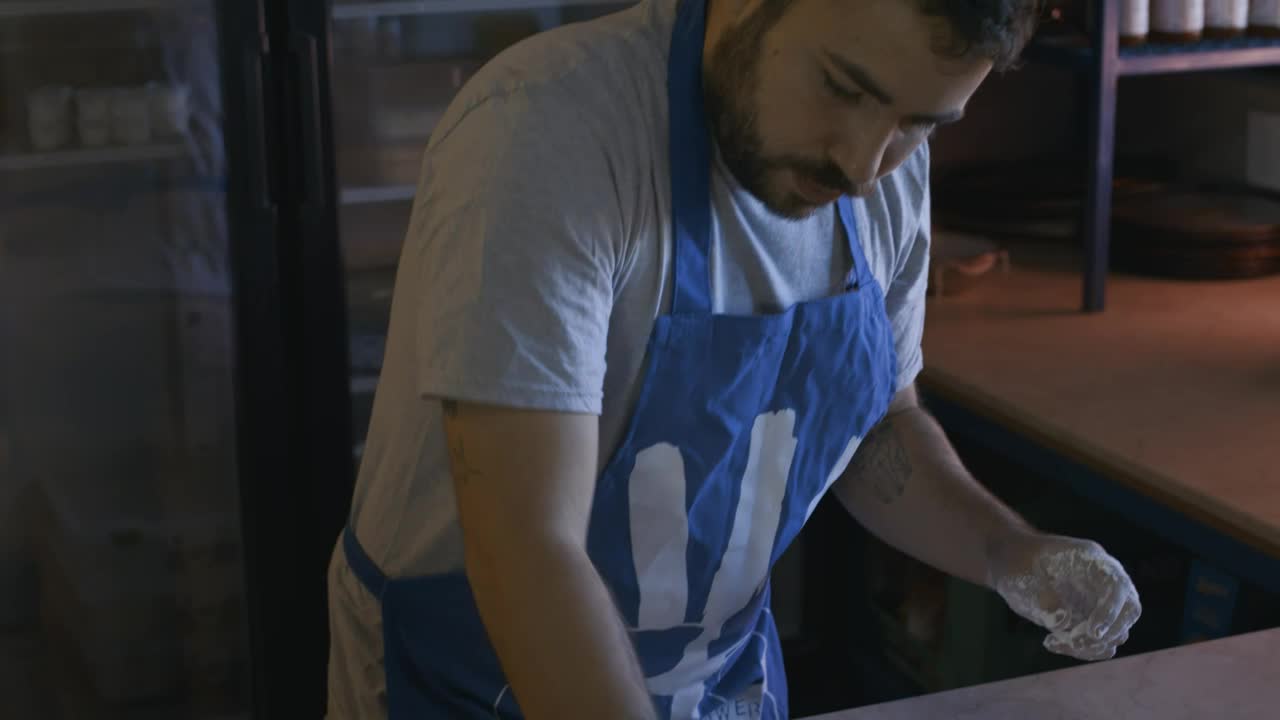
[(304, 47), (257, 117)]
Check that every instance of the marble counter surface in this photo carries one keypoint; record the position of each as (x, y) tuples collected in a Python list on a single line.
[(1232, 679)]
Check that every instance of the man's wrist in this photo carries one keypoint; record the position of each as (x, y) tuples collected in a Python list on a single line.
[(1006, 541)]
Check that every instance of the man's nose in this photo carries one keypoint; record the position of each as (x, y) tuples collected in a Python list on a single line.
[(861, 156)]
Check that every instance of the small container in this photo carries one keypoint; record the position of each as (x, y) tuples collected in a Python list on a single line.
[(1177, 21), (49, 117), (1226, 18), (93, 116), (1135, 22), (131, 116), (1264, 18), (170, 109)]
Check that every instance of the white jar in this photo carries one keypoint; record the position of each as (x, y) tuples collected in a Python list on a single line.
[(169, 109), (93, 116), (1226, 18), (1135, 21), (131, 116), (1264, 17), (1177, 20), (49, 117)]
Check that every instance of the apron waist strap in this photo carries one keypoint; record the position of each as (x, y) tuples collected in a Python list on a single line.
[(362, 565)]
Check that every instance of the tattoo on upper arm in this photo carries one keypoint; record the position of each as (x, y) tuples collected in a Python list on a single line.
[(463, 472), (882, 463)]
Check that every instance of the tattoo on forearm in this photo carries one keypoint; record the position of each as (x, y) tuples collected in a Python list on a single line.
[(882, 462), (462, 470)]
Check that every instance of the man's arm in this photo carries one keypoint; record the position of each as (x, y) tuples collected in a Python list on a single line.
[(908, 487), (525, 482)]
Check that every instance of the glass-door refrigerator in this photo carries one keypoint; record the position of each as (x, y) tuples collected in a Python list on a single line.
[(167, 503)]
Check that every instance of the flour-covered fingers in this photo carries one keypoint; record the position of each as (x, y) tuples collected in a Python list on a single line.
[(1108, 609), (1128, 617)]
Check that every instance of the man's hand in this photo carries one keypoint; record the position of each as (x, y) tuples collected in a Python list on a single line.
[(1070, 587)]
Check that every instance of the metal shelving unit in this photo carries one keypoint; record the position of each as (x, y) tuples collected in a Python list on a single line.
[(364, 383), (1104, 62), (376, 194), (74, 157), (352, 10), (32, 8), (1208, 55)]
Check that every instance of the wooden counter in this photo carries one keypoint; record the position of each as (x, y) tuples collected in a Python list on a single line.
[(1173, 392), (1232, 679)]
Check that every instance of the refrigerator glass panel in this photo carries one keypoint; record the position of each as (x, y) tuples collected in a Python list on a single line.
[(396, 68), (121, 571)]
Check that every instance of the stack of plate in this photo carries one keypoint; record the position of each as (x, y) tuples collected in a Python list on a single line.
[(1197, 234)]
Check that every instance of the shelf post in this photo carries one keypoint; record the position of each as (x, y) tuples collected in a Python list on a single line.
[(1096, 223)]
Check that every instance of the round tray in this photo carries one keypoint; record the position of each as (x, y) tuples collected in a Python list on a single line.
[(1195, 233)]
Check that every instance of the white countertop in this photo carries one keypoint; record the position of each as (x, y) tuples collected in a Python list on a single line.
[(1233, 679)]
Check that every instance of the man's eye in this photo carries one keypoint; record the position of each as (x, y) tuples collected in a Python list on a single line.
[(853, 96)]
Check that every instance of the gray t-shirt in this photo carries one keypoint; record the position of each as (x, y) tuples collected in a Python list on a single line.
[(539, 254)]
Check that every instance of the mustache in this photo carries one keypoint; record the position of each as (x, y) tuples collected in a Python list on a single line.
[(828, 174)]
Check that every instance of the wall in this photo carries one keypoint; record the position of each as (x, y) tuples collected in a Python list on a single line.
[(1201, 121), (1022, 113), (1202, 118)]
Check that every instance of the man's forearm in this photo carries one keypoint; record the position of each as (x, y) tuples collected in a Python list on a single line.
[(523, 481), (558, 635), (908, 487)]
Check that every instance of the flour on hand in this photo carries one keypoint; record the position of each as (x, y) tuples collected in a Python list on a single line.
[(1077, 592)]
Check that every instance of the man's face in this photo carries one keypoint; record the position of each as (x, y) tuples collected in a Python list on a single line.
[(827, 96)]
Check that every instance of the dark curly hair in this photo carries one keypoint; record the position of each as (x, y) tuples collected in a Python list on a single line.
[(995, 29)]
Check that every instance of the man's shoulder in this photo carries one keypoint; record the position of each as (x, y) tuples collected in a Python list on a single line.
[(911, 179), (898, 212), (901, 196), (595, 74)]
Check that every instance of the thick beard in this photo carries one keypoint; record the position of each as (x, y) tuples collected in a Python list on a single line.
[(730, 83)]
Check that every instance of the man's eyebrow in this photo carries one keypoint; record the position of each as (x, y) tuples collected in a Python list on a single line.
[(863, 79), (860, 76)]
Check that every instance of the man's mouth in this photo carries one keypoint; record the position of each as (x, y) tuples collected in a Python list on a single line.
[(815, 192)]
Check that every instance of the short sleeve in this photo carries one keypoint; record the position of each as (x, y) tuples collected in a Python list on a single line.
[(905, 298), (511, 252)]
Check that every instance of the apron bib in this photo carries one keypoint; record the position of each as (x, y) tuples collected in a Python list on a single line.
[(742, 424)]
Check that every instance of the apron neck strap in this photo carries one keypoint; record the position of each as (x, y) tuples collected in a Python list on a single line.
[(690, 161), (861, 273)]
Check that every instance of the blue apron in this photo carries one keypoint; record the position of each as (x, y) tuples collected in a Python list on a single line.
[(742, 424)]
